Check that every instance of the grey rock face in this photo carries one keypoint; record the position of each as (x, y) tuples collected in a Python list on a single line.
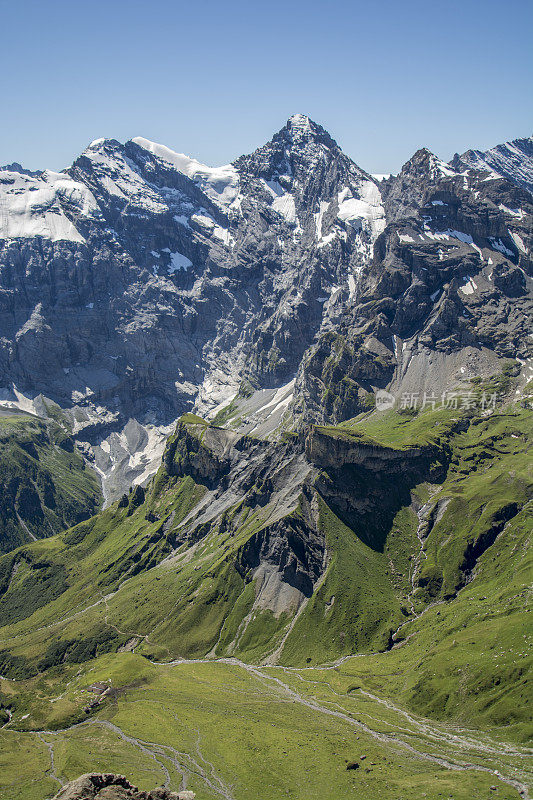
[(140, 283), (446, 296), (511, 160), (286, 554)]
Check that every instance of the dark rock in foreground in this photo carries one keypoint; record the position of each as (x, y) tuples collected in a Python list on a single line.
[(98, 786)]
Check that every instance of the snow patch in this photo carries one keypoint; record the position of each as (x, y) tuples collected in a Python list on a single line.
[(365, 211), (178, 262), (451, 234), (469, 287), (514, 212), (443, 168), (497, 244), (519, 242), (182, 220), (285, 205), (327, 239), (33, 206), (318, 218), (478, 250), (206, 221)]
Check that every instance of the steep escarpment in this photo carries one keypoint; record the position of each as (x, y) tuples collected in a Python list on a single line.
[(144, 282), (366, 483), (400, 537), (240, 539)]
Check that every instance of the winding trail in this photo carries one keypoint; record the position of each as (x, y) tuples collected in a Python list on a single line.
[(184, 763), (145, 747), (61, 620), (420, 738), (425, 727)]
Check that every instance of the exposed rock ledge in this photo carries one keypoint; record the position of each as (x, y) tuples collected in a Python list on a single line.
[(98, 786), (334, 448)]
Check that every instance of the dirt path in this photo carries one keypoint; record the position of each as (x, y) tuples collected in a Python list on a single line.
[(445, 748)]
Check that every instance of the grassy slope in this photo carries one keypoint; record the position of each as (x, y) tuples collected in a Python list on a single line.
[(465, 659), (229, 729), (359, 602), (197, 600), (43, 481)]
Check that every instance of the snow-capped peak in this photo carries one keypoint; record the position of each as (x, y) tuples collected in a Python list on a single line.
[(426, 162), (301, 130), (511, 160), (220, 184)]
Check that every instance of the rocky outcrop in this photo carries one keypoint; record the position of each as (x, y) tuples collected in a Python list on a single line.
[(334, 448), (446, 296), (107, 786), (365, 482), (247, 479), (200, 451), (144, 281), (286, 558)]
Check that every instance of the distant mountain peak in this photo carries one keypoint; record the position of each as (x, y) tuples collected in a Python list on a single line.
[(426, 162), (512, 160), (16, 167)]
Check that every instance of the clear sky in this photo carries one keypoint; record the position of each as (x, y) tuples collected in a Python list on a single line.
[(216, 78)]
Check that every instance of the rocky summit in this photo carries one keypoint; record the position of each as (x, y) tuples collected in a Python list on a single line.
[(265, 475)]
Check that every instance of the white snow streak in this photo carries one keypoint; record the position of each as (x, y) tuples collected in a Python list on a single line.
[(220, 184)]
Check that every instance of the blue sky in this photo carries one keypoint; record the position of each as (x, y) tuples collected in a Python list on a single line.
[(217, 79)]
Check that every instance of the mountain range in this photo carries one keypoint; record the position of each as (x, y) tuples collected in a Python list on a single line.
[(264, 458), (140, 284)]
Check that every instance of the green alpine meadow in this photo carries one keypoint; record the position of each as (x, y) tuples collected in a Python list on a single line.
[(136, 641)]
